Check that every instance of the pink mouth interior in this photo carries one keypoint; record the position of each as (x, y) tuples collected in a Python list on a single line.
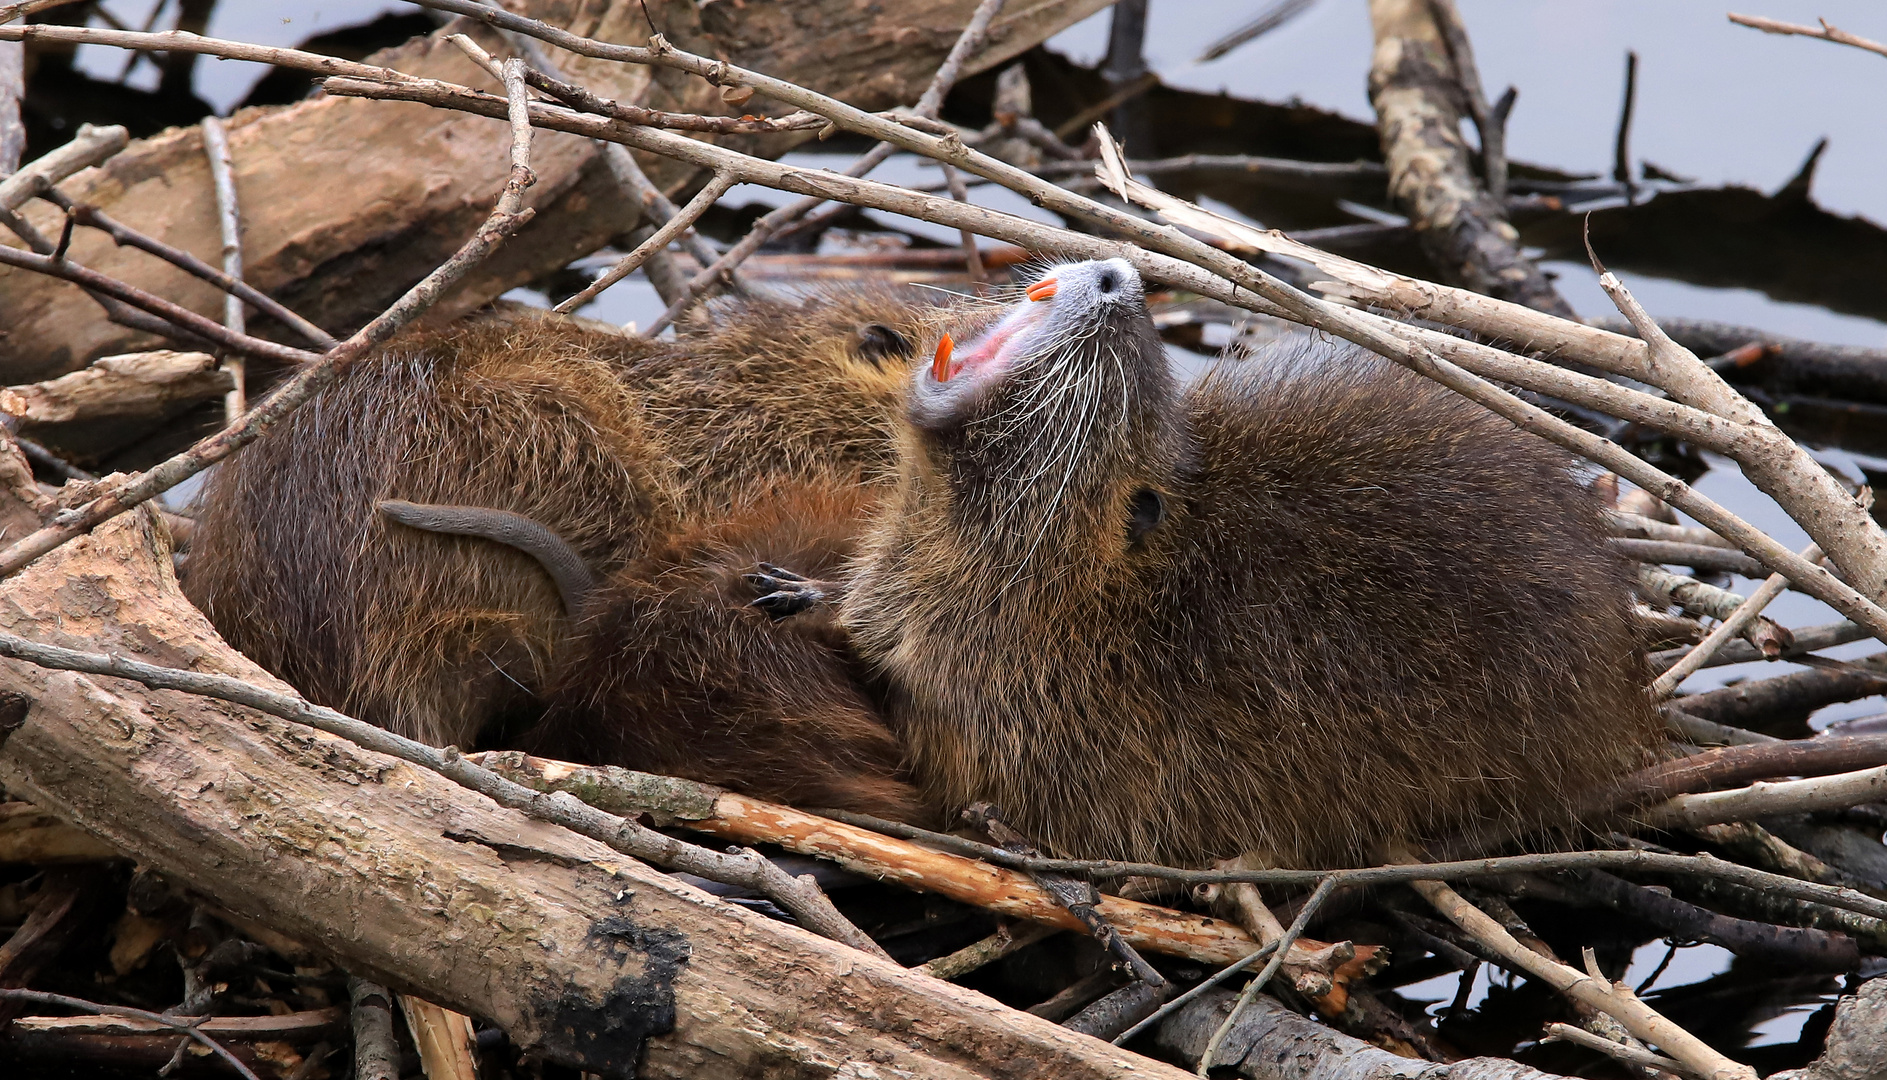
[(996, 349)]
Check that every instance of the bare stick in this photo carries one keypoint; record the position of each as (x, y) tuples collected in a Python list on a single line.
[(1630, 1055), (1766, 799), (1179, 259), (126, 236), (972, 258), (229, 221), (928, 106), (1824, 32), (1628, 859), (376, 1054), (91, 146), (1324, 888), (801, 896), (506, 217), (1733, 626), (1210, 981), (182, 323), (180, 41), (184, 1025), (1697, 598), (1009, 938), (1614, 1000), (662, 237), (621, 163)]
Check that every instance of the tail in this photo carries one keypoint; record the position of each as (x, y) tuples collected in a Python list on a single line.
[(561, 561)]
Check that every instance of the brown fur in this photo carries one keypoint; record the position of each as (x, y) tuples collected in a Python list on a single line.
[(642, 456), (434, 637), (1371, 612), (766, 707)]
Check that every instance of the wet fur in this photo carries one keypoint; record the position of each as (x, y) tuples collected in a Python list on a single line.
[(1370, 613)]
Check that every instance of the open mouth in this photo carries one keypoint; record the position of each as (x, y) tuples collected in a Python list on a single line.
[(998, 348)]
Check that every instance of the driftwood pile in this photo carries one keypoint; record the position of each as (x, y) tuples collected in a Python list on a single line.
[(201, 870)]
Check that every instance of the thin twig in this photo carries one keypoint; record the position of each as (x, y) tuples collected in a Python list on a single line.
[(1616, 1001), (1627, 859), (229, 222), (1211, 981), (322, 369), (1630, 1055), (659, 241), (1324, 888), (1733, 626), (125, 236), (1824, 32), (185, 1025), (801, 896), (1490, 125)]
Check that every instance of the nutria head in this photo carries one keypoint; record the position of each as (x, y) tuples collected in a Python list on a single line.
[(1048, 432)]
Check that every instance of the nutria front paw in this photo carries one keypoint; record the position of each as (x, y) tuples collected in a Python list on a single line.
[(784, 593)]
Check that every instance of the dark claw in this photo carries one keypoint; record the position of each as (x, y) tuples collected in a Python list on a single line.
[(783, 593)]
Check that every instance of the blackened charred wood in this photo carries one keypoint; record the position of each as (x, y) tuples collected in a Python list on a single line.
[(1791, 946), (1782, 703), (1462, 229), (1780, 363)]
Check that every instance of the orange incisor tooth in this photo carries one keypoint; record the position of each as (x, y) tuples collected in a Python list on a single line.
[(940, 367), (1042, 290)]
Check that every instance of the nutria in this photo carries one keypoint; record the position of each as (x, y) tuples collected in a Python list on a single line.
[(1310, 606), (615, 443)]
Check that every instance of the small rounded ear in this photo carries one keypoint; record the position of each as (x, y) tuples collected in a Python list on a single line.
[(876, 341), (1145, 511)]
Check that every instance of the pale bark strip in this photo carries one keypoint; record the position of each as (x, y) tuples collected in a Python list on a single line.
[(1463, 230), (447, 1047), (89, 147), (12, 93), (590, 959), (151, 384), (1769, 798), (229, 224), (1270, 1042), (1005, 892)]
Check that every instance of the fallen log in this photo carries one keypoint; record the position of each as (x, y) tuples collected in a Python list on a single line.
[(582, 956), (418, 181), (151, 384)]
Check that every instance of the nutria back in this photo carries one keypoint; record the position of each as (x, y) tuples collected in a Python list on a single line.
[(433, 636), (1311, 606)]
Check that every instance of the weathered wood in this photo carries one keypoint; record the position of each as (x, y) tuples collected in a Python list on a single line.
[(31, 835), (346, 203), (1461, 228), (149, 384), (1270, 1042), (582, 956)]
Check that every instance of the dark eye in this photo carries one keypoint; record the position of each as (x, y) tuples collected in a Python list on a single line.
[(1108, 282), (876, 341), (1145, 511)]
